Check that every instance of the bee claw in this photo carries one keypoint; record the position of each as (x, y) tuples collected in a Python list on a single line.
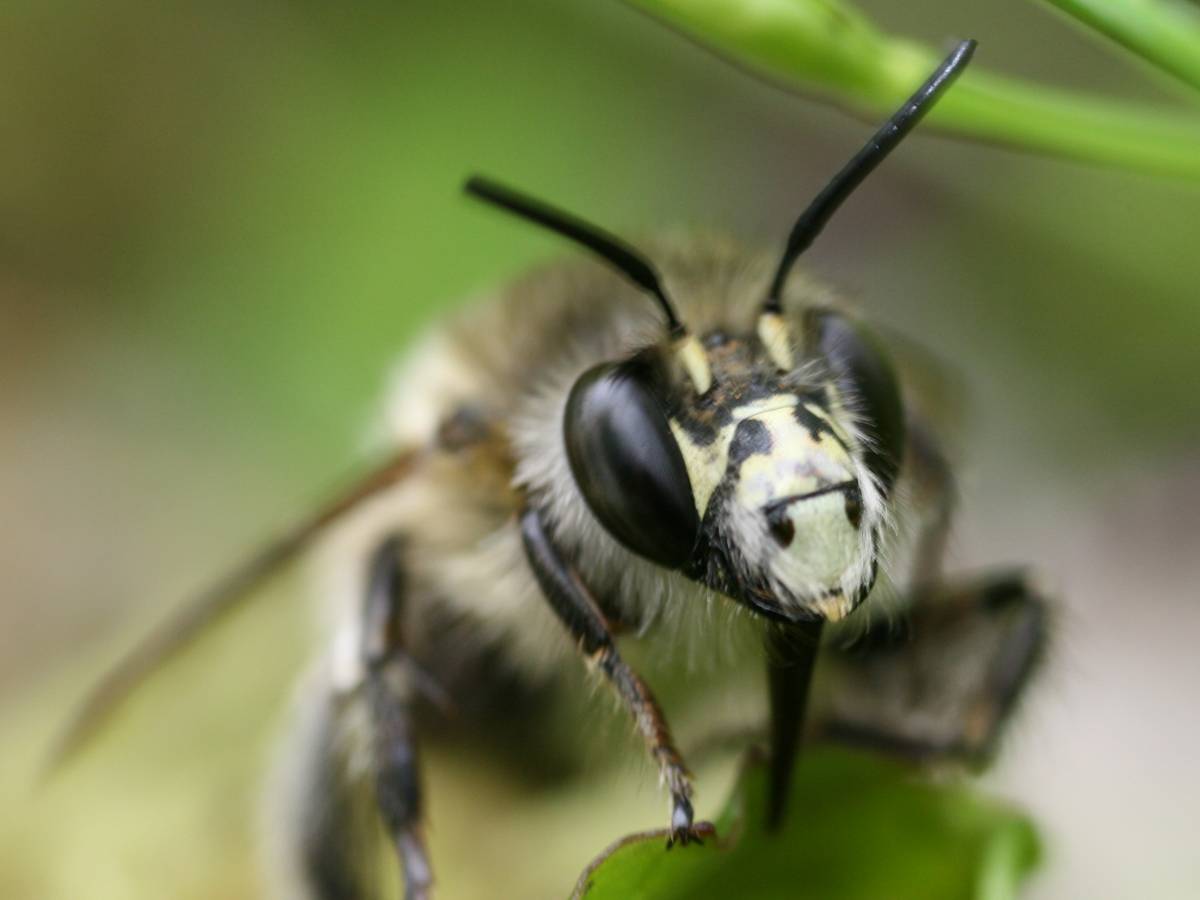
[(683, 831), (693, 834)]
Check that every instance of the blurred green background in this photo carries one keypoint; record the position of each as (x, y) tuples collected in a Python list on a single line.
[(219, 224)]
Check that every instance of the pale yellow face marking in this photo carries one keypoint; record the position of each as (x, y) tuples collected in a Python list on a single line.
[(706, 464), (797, 464), (695, 362), (826, 544), (776, 337), (834, 608)]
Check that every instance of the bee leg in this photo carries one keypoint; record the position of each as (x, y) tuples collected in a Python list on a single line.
[(575, 606), (947, 689), (791, 654), (316, 825), (389, 692)]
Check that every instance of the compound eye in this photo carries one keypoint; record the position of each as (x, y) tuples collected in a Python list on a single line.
[(862, 371), (627, 463)]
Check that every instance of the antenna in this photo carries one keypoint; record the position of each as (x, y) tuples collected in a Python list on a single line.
[(610, 248), (842, 185)]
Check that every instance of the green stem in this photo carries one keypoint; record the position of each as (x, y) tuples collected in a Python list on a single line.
[(827, 47), (1165, 33), (1028, 116)]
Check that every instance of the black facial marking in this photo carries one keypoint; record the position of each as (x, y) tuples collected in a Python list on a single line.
[(749, 438), (865, 589), (816, 426), (781, 526), (819, 394), (854, 508)]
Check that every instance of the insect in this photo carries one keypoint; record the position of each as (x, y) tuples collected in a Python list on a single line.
[(571, 461)]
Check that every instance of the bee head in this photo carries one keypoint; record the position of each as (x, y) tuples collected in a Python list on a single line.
[(756, 467), (758, 464)]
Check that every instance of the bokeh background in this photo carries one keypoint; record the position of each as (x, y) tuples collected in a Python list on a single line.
[(220, 222)]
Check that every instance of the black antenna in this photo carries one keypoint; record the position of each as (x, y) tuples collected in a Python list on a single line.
[(842, 185), (635, 266)]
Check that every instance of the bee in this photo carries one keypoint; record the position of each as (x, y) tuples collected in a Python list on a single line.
[(598, 450)]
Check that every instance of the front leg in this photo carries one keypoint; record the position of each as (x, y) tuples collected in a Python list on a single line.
[(573, 603), (389, 692)]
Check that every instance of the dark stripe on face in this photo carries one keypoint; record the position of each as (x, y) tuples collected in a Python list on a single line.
[(816, 426), (781, 527), (854, 506), (749, 438)]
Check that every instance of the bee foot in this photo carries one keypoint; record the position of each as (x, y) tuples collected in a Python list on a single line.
[(683, 831)]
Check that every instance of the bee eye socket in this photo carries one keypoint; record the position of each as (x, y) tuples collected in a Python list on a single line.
[(627, 463), (862, 370)]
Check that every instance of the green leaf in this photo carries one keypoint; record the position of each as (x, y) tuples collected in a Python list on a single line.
[(1164, 33), (859, 826), (828, 47)]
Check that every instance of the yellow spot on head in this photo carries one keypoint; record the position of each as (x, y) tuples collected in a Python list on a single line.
[(776, 338), (834, 607), (705, 464), (695, 362)]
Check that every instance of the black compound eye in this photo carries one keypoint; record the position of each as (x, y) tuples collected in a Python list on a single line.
[(861, 369), (627, 463)]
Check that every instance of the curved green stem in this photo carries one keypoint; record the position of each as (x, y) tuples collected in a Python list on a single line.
[(827, 47), (1165, 33)]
